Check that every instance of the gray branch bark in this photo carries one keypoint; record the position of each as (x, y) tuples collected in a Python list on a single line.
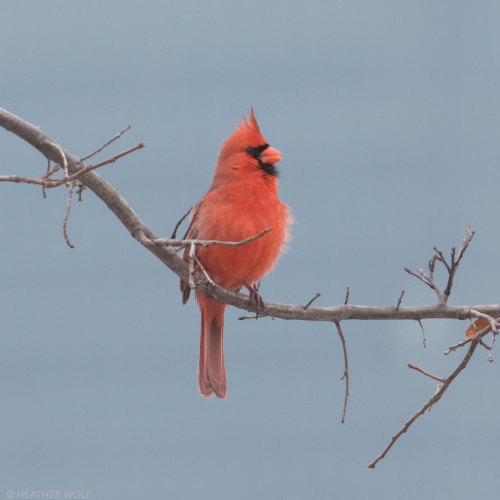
[(136, 227)]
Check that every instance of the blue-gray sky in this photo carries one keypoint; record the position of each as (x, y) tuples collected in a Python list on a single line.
[(387, 114)]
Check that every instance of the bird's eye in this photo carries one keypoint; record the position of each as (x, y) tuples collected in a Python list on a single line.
[(256, 152)]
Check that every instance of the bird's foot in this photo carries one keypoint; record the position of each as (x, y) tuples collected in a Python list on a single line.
[(211, 288), (253, 290)]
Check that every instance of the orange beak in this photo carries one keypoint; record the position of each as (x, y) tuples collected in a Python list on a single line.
[(270, 155)]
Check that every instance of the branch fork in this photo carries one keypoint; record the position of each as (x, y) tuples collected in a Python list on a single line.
[(452, 267), (69, 180)]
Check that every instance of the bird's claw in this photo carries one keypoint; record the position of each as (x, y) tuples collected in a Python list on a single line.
[(255, 297), (211, 287)]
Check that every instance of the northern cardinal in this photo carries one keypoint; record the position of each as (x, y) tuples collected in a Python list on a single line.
[(241, 202)]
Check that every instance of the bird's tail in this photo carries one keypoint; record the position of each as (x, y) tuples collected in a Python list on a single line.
[(211, 369)]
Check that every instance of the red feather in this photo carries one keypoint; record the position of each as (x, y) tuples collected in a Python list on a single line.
[(241, 202)]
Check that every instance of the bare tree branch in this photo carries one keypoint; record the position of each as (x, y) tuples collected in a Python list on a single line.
[(456, 346), (413, 367), (117, 204), (423, 332), (48, 182), (428, 280), (171, 242), (66, 216), (106, 144), (312, 300), (399, 300), (451, 268), (180, 221), (437, 396), (346, 300), (346, 368), (77, 173)]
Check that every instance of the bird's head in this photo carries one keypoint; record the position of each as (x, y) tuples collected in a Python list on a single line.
[(246, 152)]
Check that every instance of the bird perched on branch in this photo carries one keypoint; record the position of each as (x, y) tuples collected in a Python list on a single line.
[(242, 201)]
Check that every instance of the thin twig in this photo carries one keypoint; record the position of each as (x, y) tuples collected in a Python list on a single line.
[(492, 327), (481, 343), (27, 180), (51, 172), (436, 397), (456, 346), (203, 270), (490, 355), (346, 368), (451, 268), (428, 280), (88, 169), (346, 296), (69, 185), (169, 242), (52, 183), (66, 217), (399, 301), (312, 300), (193, 219), (68, 180), (191, 267), (44, 192), (413, 367), (106, 144), (423, 333), (81, 187), (64, 160), (181, 220)]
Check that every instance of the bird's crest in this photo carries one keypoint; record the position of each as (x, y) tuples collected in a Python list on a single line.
[(248, 125), (247, 134)]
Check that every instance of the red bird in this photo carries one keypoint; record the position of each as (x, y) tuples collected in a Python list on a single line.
[(241, 202)]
